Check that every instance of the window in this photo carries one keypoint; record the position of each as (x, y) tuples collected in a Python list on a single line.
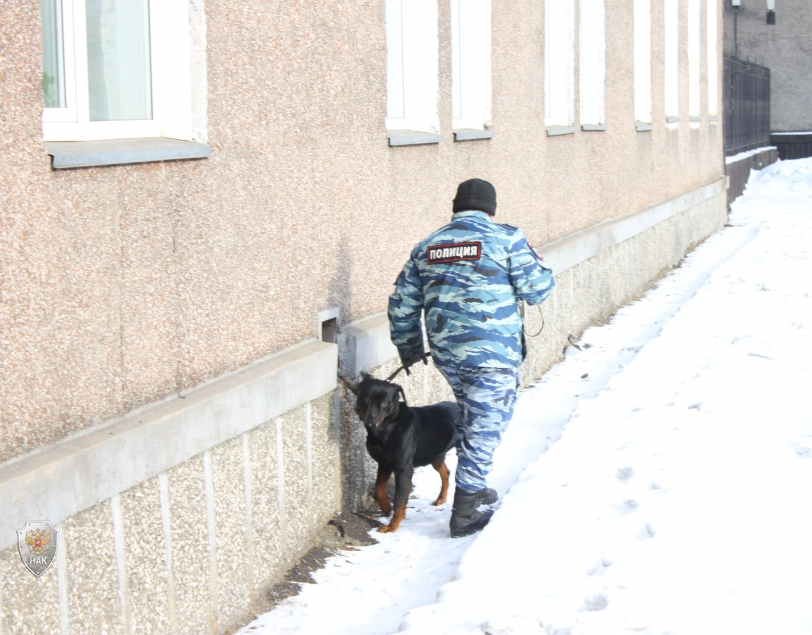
[(693, 59), (412, 63), (53, 55), (593, 62), (119, 69), (671, 12), (470, 64), (713, 63), (642, 63), (559, 62)]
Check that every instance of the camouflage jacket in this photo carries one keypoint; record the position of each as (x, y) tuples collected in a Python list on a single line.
[(468, 277)]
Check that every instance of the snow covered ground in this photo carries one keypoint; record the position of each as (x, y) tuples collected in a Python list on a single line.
[(658, 481)]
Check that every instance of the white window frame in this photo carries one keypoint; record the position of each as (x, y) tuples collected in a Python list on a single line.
[(559, 62), (671, 42), (642, 61), (412, 65), (592, 40), (470, 64), (694, 53), (713, 59), (171, 76)]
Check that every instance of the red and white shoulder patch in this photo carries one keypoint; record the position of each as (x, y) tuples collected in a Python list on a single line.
[(538, 255)]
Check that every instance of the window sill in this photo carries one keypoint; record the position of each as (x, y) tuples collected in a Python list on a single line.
[(591, 127), (467, 134), (642, 126), (83, 154), (411, 138), (672, 120), (696, 119), (556, 131), (713, 119)]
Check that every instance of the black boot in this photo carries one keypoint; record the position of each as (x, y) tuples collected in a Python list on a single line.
[(486, 496), (465, 519)]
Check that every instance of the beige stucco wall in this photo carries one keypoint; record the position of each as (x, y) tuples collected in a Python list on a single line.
[(193, 550), (121, 285)]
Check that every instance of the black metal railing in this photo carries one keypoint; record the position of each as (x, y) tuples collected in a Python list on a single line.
[(747, 106), (792, 146)]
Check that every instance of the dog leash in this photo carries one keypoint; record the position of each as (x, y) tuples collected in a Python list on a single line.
[(424, 357), (538, 306)]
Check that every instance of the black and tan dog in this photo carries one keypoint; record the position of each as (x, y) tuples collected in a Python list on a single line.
[(401, 438)]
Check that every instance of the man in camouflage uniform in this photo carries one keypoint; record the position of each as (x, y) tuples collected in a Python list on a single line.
[(469, 276)]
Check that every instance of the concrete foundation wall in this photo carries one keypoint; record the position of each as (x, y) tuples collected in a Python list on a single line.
[(208, 499), (192, 550)]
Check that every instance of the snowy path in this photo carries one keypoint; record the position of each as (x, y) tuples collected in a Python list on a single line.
[(679, 496)]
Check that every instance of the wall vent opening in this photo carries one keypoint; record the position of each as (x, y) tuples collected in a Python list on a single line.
[(327, 323), (329, 330)]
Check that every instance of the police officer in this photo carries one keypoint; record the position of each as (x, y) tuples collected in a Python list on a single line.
[(468, 276)]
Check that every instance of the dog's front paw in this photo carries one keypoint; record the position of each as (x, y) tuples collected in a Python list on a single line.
[(387, 529)]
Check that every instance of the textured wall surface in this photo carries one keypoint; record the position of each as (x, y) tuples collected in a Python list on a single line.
[(193, 550), (593, 290), (122, 285), (785, 48)]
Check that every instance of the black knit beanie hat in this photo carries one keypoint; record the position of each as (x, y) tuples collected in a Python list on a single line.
[(475, 194)]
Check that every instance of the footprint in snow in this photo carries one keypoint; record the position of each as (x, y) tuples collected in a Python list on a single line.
[(596, 602), (512, 626), (761, 355), (804, 452), (600, 568), (624, 473), (646, 532), (626, 507)]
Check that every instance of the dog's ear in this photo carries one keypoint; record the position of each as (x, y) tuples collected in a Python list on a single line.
[(353, 386)]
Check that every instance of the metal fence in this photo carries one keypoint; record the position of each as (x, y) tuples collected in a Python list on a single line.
[(793, 146), (747, 106)]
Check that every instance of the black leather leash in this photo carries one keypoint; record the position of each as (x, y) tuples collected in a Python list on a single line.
[(538, 306), (424, 357)]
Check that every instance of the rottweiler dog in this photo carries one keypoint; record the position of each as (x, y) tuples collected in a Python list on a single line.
[(401, 438)]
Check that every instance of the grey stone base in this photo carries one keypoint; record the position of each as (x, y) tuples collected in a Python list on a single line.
[(193, 550)]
